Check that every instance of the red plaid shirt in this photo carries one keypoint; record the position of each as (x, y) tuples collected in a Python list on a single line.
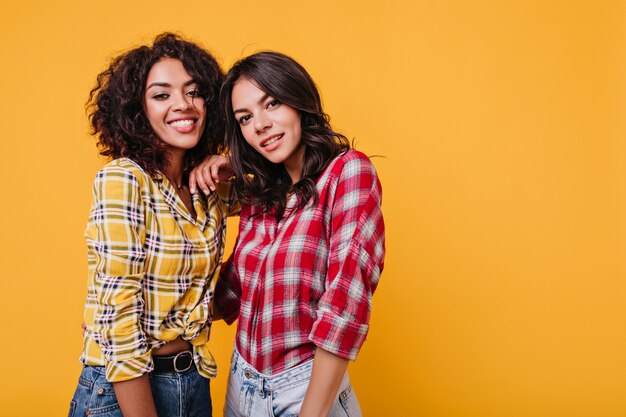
[(308, 279)]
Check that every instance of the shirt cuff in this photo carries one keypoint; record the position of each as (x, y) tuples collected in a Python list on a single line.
[(226, 302), (118, 371), (205, 362), (229, 311), (337, 335)]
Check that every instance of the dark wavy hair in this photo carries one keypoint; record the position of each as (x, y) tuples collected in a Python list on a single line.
[(116, 104), (257, 180)]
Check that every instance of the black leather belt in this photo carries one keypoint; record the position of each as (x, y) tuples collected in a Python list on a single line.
[(181, 362)]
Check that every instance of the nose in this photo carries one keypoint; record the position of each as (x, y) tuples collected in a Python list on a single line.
[(182, 102), (262, 122)]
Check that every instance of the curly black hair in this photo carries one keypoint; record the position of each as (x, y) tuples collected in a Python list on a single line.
[(116, 103), (257, 180)]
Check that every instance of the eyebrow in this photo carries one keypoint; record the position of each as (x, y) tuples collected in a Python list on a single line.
[(261, 100), (167, 85)]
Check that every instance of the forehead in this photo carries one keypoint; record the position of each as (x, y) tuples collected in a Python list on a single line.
[(245, 93), (168, 71)]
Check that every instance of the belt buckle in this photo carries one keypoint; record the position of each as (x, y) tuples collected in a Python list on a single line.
[(180, 355)]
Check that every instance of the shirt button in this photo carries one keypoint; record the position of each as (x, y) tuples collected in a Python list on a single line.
[(248, 373), (100, 391)]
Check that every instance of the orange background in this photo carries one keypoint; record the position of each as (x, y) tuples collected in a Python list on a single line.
[(502, 129)]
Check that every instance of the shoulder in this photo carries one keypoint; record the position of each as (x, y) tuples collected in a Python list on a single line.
[(351, 164), (122, 179), (351, 174), (123, 170)]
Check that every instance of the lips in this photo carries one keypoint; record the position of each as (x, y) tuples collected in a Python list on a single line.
[(270, 140)]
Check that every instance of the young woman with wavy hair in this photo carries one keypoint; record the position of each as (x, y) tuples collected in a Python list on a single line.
[(310, 247), (153, 247)]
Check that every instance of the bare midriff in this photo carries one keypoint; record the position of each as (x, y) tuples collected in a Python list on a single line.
[(175, 346)]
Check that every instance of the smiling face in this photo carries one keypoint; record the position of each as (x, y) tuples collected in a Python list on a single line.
[(173, 106), (270, 127)]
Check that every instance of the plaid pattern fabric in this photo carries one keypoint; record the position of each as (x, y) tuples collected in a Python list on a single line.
[(308, 279), (151, 270)]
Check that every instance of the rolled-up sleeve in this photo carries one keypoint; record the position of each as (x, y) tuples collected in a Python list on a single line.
[(227, 300), (357, 249), (115, 237)]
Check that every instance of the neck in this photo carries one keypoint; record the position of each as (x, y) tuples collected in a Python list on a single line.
[(174, 169), (293, 165)]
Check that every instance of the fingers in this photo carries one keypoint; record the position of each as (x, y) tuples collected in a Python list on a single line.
[(205, 178), (200, 177), (215, 173), (207, 175), (192, 181)]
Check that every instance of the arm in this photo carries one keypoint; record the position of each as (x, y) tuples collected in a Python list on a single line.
[(135, 397), (326, 376), (115, 236), (354, 266)]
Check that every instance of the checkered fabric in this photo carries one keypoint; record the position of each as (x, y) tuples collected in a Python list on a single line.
[(151, 270), (308, 279)]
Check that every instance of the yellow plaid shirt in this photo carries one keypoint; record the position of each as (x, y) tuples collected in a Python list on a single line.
[(152, 270)]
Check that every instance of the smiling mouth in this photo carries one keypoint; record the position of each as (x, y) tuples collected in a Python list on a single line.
[(271, 140), (182, 123)]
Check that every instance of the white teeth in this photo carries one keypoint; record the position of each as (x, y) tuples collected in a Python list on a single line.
[(269, 142), (182, 123)]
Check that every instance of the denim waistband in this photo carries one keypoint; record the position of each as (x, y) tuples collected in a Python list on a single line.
[(265, 382), (100, 370)]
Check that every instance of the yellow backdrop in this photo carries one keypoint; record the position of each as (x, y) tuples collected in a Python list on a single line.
[(502, 130)]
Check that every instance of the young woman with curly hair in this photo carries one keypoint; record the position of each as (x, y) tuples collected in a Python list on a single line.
[(310, 247), (153, 247)]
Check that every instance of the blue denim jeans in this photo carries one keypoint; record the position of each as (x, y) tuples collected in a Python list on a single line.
[(253, 394), (181, 395)]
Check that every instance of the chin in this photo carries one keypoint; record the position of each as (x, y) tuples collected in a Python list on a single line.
[(187, 145)]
